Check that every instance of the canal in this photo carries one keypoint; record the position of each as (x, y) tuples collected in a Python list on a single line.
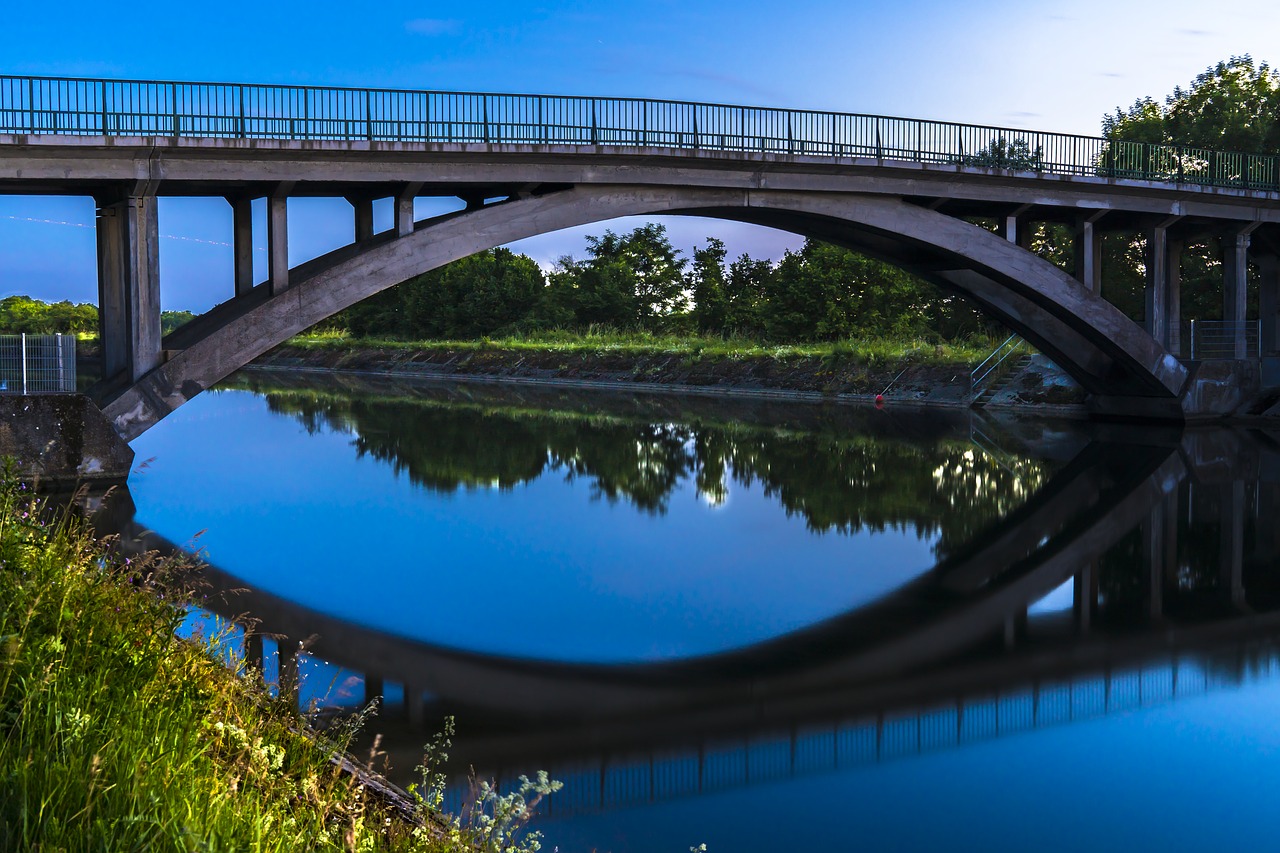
[(757, 625)]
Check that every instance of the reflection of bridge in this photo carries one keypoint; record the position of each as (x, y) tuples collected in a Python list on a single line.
[(897, 189), (948, 658)]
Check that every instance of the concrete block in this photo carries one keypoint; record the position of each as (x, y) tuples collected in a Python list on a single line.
[(62, 440)]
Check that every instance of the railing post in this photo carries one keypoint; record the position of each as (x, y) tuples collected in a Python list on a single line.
[(62, 376), (368, 115), (102, 105), (31, 109), (1193, 340), (595, 127), (23, 339), (241, 122), (173, 107)]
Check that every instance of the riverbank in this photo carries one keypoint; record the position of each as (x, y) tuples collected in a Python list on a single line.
[(927, 376), (116, 734)]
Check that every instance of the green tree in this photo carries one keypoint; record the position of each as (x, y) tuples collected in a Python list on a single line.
[(655, 267), (708, 286), (1232, 106)]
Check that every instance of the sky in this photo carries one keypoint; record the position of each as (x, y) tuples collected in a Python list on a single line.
[(1036, 65)]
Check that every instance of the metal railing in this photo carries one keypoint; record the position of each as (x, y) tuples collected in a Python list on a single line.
[(37, 364), (990, 368), (91, 107), (1221, 339), (629, 780)]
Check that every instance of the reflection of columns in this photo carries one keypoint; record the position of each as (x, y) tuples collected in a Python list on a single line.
[(1164, 289), (242, 242), (253, 651), (1231, 555), (1269, 303), (1085, 596), (287, 657), (278, 238), (404, 208), (373, 689), (364, 216), (1088, 252), (1160, 552), (414, 707), (1015, 628), (129, 286)]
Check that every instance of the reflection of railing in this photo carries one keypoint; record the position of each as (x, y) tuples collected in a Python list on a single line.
[(798, 752), (1218, 339), (37, 364), (77, 106)]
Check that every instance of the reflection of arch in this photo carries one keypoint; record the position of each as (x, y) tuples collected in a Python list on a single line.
[(1099, 346), (962, 602)]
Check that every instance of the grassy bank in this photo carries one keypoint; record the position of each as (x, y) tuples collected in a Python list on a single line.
[(117, 735), (869, 350)]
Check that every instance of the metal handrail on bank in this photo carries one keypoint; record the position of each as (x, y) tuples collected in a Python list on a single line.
[(76, 106)]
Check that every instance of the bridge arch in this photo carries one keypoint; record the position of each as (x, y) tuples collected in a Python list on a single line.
[(1091, 339)]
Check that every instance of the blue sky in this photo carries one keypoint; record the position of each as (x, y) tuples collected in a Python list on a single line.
[(1051, 66)]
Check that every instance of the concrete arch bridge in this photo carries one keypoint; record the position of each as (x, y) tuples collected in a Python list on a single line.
[(898, 189)]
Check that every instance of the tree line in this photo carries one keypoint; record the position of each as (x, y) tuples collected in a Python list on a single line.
[(638, 280)]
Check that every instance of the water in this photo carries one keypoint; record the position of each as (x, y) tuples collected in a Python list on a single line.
[(760, 626)]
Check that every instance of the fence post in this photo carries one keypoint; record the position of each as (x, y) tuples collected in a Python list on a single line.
[(62, 376), (1193, 340), (23, 338)]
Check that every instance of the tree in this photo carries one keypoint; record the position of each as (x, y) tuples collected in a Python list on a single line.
[(708, 287), (655, 266), (1232, 106)]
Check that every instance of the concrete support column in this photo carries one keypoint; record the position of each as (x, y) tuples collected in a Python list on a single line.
[(404, 208), (242, 242), (1269, 304), (278, 239), (1016, 227), (1231, 555), (1085, 596), (129, 286), (1160, 552), (1088, 252), (1164, 283), (1015, 628), (363, 206), (1235, 280)]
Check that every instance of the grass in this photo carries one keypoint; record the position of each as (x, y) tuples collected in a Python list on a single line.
[(117, 735), (596, 341)]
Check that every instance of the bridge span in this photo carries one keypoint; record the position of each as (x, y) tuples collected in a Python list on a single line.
[(898, 189)]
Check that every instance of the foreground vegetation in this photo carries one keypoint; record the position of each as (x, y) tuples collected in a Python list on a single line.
[(117, 735)]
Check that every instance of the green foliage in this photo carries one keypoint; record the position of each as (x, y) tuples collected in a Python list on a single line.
[(117, 735), (34, 317), (1232, 106), (1002, 153), (170, 320)]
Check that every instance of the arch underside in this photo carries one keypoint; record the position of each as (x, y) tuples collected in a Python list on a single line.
[(1103, 350)]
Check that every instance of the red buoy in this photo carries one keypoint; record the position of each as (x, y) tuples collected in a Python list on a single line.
[(879, 401)]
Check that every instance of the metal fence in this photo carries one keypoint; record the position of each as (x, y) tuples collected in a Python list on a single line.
[(1220, 339), (37, 364), (88, 107)]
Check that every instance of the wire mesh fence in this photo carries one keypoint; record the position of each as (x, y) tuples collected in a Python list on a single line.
[(37, 364), (90, 107), (1220, 339)]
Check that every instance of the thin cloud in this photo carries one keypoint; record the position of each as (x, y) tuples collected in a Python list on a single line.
[(432, 26)]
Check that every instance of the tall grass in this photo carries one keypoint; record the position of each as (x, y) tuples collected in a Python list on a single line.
[(608, 341), (116, 735)]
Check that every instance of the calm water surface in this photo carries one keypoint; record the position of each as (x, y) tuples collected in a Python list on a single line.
[(760, 626)]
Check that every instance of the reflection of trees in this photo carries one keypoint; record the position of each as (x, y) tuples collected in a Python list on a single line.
[(836, 480)]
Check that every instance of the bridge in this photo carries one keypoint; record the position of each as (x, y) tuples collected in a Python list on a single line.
[(898, 189)]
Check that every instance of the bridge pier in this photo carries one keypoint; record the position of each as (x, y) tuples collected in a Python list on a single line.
[(129, 286), (1235, 278), (1164, 285), (278, 238), (1268, 303), (1087, 249), (242, 242), (363, 210)]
